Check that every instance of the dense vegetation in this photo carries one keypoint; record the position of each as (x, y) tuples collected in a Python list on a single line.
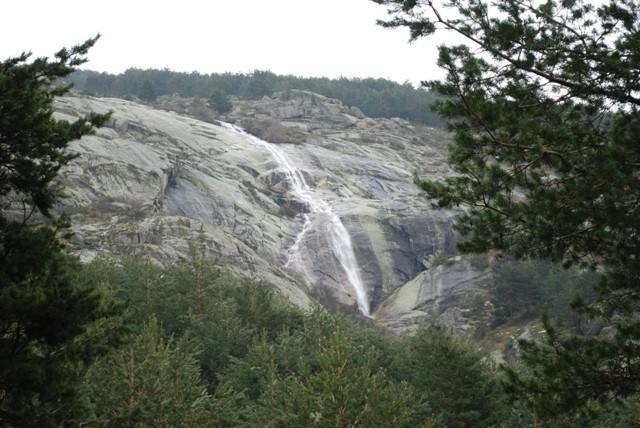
[(43, 312), (543, 103), (375, 97), (199, 346), (529, 289), (204, 348)]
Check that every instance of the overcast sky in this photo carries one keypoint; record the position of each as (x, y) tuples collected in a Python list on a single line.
[(302, 37)]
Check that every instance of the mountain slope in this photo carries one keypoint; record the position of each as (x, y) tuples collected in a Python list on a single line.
[(165, 186)]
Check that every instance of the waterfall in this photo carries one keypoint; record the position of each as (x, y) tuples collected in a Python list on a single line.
[(338, 235)]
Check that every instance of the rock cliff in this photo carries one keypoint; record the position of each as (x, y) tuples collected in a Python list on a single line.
[(164, 185)]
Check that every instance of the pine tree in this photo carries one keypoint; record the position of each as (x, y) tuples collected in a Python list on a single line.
[(319, 376), (42, 312), (459, 387), (149, 382), (219, 101), (147, 91), (544, 104)]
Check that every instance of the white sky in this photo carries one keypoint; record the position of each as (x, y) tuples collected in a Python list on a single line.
[(330, 38)]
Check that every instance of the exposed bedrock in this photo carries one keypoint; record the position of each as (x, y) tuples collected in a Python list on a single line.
[(165, 185)]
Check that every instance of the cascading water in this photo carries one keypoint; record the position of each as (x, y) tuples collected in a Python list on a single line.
[(337, 233)]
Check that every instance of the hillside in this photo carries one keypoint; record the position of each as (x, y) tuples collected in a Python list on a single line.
[(375, 97), (165, 185)]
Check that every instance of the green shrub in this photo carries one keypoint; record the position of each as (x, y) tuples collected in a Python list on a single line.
[(534, 287)]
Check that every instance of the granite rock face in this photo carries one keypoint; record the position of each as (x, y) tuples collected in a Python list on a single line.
[(164, 185), (452, 292)]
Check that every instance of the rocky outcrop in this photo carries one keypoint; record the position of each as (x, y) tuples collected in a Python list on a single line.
[(164, 185), (314, 110), (272, 130), (452, 293)]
